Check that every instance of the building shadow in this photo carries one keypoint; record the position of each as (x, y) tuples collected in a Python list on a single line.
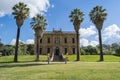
[(21, 64)]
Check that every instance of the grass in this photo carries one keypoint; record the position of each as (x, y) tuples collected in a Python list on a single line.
[(87, 69), (60, 71), (22, 58), (43, 58), (95, 58)]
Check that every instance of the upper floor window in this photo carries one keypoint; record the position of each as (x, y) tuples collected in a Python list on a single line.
[(65, 40), (57, 40), (48, 40), (73, 40)]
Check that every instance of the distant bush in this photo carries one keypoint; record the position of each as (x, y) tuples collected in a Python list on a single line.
[(89, 50), (107, 52), (0, 54), (82, 52), (118, 51)]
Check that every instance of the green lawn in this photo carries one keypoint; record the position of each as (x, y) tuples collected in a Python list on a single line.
[(86, 69), (95, 58), (43, 58), (60, 71)]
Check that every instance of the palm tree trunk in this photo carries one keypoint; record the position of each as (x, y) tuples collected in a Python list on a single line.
[(16, 48), (37, 51), (100, 43), (78, 50)]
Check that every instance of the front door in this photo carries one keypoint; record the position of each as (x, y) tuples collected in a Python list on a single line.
[(57, 51)]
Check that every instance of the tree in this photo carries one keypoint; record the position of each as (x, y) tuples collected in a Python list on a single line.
[(98, 16), (118, 51), (20, 12), (1, 44), (30, 49), (39, 24), (76, 17), (90, 50), (22, 48), (106, 46), (1, 47), (7, 50), (114, 46)]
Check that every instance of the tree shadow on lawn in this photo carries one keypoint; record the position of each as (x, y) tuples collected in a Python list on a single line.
[(21, 64), (118, 55), (23, 61)]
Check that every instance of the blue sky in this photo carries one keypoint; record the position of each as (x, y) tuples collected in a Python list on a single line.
[(56, 13)]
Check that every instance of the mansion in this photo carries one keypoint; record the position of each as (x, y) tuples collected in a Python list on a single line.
[(57, 42)]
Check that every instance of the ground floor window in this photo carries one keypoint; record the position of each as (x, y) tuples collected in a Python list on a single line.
[(48, 50), (40, 51), (73, 50), (65, 50)]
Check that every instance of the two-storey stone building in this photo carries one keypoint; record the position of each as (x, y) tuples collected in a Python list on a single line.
[(57, 42)]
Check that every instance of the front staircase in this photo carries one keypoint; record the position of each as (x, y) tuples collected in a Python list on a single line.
[(54, 58)]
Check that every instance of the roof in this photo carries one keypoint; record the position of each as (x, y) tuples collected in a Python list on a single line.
[(59, 32)]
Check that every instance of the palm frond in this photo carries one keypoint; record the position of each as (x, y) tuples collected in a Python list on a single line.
[(39, 21), (20, 10), (98, 14)]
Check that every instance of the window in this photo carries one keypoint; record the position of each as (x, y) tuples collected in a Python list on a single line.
[(73, 50), (48, 40), (40, 50), (48, 50), (40, 40), (57, 40), (65, 40), (65, 50), (73, 40)]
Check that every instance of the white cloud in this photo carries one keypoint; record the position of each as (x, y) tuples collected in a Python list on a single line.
[(36, 6), (85, 42), (93, 43), (111, 30), (30, 41), (111, 34), (1, 14), (1, 25), (86, 32), (13, 42), (52, 6)]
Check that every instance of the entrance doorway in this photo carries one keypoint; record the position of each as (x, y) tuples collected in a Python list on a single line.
[(57, 51)]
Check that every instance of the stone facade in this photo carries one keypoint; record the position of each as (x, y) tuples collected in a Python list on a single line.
[(57, 42)]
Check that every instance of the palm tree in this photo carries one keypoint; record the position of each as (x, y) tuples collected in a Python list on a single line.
[(98, 16), (76, 17), (1, 44), (20, 12), (39, 24)]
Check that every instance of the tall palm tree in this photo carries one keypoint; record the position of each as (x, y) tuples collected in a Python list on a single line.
[(39, 24), (20, 12), (76, 17), (1, 44), (98, 16)]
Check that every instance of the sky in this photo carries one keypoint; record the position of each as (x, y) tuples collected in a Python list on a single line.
[(57, 14)]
